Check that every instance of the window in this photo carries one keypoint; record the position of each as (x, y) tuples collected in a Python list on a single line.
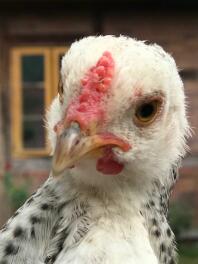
[(34, 81), (189, 74)]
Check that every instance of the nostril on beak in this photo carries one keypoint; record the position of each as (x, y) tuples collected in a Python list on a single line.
[(77, 142), (72, 135)]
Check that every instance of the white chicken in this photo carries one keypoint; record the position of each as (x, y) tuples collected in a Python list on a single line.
[(118, 129)]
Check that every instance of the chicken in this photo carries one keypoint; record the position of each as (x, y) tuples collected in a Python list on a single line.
[(118, 129)]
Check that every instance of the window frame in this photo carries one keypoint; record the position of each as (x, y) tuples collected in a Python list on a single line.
[(56, 51), (17, 148)]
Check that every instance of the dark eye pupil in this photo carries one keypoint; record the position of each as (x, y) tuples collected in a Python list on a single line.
[(146, 110)]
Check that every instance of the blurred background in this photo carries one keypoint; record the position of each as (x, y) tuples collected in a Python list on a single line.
[(34, 35)]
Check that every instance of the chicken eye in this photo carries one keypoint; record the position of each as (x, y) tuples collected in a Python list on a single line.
[(146, 112)]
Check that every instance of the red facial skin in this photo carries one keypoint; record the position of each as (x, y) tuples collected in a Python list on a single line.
[(113, 140), (59, 127), (88, 108)]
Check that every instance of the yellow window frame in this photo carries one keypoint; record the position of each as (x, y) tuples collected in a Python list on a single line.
[(56, 52), (51, 73)]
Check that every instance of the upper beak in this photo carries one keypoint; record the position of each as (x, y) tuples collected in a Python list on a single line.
[(72, 145)]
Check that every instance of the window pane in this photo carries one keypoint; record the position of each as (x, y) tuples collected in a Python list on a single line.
[(33, 101), (32, 68), (33, 133)]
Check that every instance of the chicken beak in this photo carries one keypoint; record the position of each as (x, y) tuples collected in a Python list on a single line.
[(72, 145)]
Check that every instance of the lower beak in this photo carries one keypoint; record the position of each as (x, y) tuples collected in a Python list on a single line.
[(72, 145)]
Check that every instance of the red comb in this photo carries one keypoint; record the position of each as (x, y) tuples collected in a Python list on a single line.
[(88, 107)]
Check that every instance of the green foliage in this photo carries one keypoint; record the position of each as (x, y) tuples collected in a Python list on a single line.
[(188, 253), (186, 260), (17, 195), (180, 217), (189, 250)]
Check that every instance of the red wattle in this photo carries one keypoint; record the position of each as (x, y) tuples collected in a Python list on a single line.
[(108, 165)]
